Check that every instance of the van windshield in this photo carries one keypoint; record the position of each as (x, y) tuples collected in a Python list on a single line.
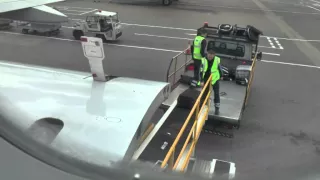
[(227, 48)]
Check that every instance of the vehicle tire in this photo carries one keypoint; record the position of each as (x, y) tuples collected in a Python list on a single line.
[(225, 28), (237, 126), (102, 37), (77, 34), (166, 2), (25, 31)]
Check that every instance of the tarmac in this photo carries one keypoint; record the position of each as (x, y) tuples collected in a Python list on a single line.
[(279, 132)]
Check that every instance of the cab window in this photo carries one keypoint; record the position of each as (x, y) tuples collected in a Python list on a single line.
[(227, 48)]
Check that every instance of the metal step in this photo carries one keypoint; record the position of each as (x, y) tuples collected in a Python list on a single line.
[(201, 167), (210, 169)]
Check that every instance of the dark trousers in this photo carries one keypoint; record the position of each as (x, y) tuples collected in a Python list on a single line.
[(197, 65), (216, 93), (216, 90)]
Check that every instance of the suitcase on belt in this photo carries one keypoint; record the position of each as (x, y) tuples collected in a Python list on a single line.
[(188, 98), (186, 79)]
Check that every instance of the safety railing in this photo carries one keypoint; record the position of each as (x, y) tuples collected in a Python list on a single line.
[(198, 113), (253, 65), (177, 67)]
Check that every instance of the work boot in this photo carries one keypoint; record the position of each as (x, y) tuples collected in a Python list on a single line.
[(217, 108), (216, 112)]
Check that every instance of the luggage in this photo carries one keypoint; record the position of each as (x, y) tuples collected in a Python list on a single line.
[(188, 98), (186, 79)]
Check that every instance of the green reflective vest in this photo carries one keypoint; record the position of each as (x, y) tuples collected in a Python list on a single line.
[(214, 69), (197, 47)]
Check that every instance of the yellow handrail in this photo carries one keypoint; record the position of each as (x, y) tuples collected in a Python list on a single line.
[(251, 78), (170, 155), (186, 161)]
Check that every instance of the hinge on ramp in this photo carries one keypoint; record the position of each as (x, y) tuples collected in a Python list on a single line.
[(218, 133), (211, 128)]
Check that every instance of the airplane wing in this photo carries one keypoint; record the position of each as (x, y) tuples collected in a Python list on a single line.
[(12, 5), (31, 11)]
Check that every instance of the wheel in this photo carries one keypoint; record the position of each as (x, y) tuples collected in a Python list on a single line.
[(56, 32), (47, 33), (225, 28), (102, 37), (166, 2), (25, 31), (77, 34)]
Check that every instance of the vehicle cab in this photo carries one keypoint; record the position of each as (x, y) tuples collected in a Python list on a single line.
[(103, 24)]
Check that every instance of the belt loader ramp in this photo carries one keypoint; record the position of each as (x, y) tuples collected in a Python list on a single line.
[(172, 146)]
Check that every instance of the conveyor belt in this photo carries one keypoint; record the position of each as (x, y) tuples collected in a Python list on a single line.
[(165, 136)]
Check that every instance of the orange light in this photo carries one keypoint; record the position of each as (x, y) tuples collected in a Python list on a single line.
[(83, 39)]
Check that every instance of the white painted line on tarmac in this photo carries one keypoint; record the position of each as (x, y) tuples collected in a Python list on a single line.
[(71, 10), (63, 7), (68, 27), (141, 47), (265, 47), (288, 39), (190, 34), (314, 8), (159, 36), (72, 40), (70, 13), (170, 37), (270, 42), (163, 27), (77, 19), (151, 26), (272, 54), (88, 12), (291, 64), (278, 43), (315, 1), (158, 49), (231, 7), (60, 8)]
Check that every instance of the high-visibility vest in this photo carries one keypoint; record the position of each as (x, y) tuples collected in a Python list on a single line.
[(197, 47), (214, 69)]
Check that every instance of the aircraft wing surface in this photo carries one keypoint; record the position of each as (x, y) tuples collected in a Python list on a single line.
[(12, 5)]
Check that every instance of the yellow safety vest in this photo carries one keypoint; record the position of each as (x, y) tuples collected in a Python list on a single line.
[(214, 69), (197, 47)]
